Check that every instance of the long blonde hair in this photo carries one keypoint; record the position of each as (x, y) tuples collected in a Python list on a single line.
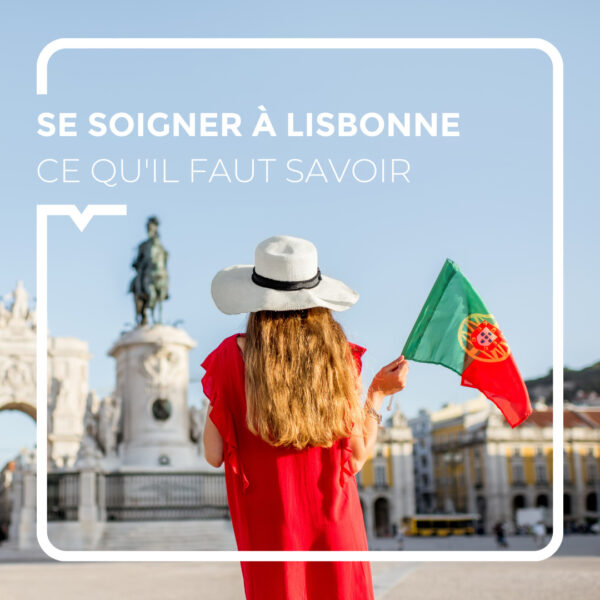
[(302, 385)]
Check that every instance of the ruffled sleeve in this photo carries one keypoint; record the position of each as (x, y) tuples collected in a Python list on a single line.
[(215, 365), (346, 470), (357, 353)]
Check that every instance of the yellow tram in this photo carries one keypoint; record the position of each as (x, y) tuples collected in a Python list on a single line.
[(441, 525)]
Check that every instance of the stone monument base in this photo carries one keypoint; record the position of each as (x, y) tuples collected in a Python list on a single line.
[(152, 383)]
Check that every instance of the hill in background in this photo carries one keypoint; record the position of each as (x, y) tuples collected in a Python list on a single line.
[(581, 386)]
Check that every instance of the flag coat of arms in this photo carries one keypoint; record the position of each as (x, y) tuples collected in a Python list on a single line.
[(455, 329)]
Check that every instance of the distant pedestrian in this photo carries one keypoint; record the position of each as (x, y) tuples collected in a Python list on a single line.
[(400, 537), (539, 534), (500, 535)]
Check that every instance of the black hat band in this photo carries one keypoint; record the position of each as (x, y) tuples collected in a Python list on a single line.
[(286, 286)]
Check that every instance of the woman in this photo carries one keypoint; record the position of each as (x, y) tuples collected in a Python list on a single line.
[(286, 417)]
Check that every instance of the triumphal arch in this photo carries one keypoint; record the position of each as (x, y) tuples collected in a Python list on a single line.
[(68, 360)]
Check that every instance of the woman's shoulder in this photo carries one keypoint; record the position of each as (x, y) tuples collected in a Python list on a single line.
[(223, 369), (357, 349), (235, 344), (223, 351)]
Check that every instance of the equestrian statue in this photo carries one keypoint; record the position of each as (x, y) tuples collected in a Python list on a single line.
[(150, 286)]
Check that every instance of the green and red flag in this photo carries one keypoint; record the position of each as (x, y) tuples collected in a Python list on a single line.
[(455, 329)]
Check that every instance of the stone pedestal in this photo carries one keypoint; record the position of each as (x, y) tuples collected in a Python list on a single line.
[(152, 385)]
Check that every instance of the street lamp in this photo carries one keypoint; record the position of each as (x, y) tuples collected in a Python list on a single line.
[(452, 460)]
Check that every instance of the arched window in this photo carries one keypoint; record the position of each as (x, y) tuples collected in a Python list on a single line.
[(542, 500), (382, 517), (567, 504), (519, 501)]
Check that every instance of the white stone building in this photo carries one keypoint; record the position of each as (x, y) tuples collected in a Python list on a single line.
[(423, 462), (121, 469), (68, 360)]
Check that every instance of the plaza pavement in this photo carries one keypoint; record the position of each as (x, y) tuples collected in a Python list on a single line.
[(572, 573)]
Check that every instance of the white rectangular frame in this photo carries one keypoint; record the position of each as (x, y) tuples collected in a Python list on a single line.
[(81, 219)]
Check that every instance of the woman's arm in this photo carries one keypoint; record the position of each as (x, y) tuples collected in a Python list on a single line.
[(389, 380), (213, 442)]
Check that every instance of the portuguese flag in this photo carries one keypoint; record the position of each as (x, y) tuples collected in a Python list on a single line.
[(455, 329)]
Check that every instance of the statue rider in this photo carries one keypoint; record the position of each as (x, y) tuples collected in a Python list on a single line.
[(151, 282)]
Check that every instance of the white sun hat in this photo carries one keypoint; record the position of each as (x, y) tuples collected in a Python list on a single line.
[(285, 276)]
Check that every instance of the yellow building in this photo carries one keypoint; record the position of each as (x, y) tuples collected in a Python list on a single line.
[(482, 465), (385, 483)]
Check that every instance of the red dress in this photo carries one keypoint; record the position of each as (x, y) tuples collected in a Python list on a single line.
[(286, 499)]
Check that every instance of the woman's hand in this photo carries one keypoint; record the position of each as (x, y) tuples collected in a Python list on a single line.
[(390, 379)]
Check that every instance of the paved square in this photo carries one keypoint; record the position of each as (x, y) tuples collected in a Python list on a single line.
[(573, 573)]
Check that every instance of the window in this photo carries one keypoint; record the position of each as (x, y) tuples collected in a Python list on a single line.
[(592, 472), (423, 461), (541, 473), (518, 478), (478, 475), (380, 475), (567, 468)]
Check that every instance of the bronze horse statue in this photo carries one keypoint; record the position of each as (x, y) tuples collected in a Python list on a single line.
[(150, 286)]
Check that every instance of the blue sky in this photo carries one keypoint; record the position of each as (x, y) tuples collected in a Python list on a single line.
[(483, 199)]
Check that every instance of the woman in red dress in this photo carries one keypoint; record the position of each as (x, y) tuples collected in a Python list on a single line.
[(287, 419)]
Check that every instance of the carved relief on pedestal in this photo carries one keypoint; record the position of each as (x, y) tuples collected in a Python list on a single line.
[(152, 380), (162, 367)]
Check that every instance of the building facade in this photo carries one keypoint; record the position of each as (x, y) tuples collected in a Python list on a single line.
[(386, 483), (482, 465), (130, 458)]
